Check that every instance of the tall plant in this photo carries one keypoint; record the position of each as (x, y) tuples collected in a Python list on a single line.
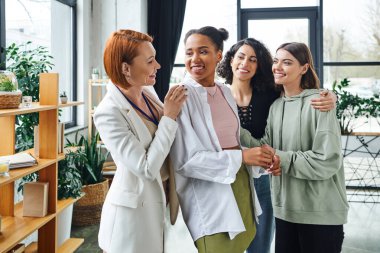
[(89, 159), (27, 62)]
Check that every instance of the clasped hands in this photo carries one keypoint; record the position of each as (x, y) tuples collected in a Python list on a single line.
[(264, 156)]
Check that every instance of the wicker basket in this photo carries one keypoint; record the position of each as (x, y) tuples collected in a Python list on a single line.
[(87, 210), (10, 100)]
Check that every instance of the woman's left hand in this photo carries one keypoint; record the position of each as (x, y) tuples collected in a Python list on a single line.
[(326, 102), (275, 168)]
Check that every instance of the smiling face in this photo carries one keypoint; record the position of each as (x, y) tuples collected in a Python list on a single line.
[(142, 71), (201, 58), (287, 70), (244, 63)]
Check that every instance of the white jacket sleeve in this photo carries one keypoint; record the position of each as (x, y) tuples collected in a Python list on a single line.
[(192, 159), (125, 147)]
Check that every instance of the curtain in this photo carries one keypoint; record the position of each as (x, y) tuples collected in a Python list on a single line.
[(165, 20)]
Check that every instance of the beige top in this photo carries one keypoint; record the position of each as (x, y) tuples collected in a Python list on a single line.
[(152, 129), (225, 122)]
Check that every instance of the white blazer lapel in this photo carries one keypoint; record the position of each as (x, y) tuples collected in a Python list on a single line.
[(136, 123)]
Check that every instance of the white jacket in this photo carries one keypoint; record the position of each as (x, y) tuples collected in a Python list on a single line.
[(204, 171), (138, 159)]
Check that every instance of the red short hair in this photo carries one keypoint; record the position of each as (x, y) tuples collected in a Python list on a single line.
[(121, 47)]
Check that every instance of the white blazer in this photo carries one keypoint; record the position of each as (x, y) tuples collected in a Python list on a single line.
[(204, 171), (138, 159)]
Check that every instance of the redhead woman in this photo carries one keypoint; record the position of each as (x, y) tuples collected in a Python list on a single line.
[(138, 130), (215, 191)]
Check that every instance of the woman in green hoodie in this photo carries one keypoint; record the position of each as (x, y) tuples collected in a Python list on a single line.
[(309, 198)]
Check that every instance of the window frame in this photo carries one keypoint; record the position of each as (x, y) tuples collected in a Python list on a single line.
[(318, 57), (73, 5)]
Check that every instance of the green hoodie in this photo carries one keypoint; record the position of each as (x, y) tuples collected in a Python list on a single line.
[(311, 188)]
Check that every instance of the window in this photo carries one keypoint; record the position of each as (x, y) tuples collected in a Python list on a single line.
[(351, 38), (199, 13), (48, 23), (277, 3), (352, 42)]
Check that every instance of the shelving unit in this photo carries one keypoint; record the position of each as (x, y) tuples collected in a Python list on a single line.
[(96, 91), (16, 227)]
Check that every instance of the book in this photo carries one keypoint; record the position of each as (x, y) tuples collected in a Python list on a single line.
[(35, 199), (36, 141), (61, 136), (19, 160), (60, 140)]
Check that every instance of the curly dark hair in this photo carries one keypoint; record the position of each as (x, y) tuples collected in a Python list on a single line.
[(263, 79)]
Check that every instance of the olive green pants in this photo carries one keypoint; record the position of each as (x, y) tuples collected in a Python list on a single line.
[(221, 243)]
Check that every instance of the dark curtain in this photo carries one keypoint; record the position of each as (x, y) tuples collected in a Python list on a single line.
[(165, 20), (2, 35)]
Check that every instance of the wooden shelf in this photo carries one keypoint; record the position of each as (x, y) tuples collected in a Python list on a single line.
[(98, 82), (18, 227), (63, 203), (70, 103), (15, 174), (32, 248), (36, 107), (68, 246)]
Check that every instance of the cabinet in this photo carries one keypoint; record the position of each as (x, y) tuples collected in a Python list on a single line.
[(16, 227)]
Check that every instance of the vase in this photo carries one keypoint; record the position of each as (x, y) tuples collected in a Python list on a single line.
[(10, 96), (63, 100)]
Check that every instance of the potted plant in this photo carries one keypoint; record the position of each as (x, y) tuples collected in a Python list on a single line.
[(95, 74), (89, 160), (27, 62), (359, 149), (350, 107), (63, 97), (69, 186), (9, 95)]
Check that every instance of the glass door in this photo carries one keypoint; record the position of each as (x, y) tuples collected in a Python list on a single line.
[(274, 26)]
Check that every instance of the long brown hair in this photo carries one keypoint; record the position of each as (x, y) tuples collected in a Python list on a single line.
[(302, 53), (121, 47)]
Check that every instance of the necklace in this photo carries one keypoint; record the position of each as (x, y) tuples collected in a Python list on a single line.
[(211, 91)]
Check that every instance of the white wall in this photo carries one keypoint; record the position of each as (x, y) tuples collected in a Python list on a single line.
[(110, 15), (97, 19)]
